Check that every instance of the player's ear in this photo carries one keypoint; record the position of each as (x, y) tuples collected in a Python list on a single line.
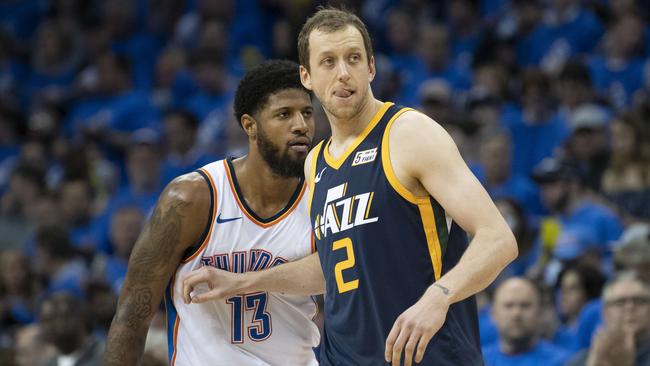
[(305, 78), (371, 68), (250, 125)]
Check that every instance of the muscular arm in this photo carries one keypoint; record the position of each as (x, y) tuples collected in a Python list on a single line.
[(175, 225), (427, 162), (440, 171)]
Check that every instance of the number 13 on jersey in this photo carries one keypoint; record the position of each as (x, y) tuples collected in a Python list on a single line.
[(261, 320), (345, 243)]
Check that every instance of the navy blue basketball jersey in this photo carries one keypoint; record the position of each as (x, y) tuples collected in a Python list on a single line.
[(380, 248)]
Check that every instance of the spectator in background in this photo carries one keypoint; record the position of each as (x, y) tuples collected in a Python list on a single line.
[(617, 74), (437, 62), (56, 261), (170, 62), (435, 100), (631, 254), (516, 312), (496, 175), (570, 204), (125, 226), (102, 302), (400, 32), (26, 185), (110, 104), (119, 20), (18, 290), (208, 95), (536, 129), (529, 249), (55, 59), (144, 180), (574, 31), (65, 323), (465, 30), (31, 348), (76, 203), (577, 285), (588, 145), (573, 88), (626, 180), (624, 338), (183, 153)]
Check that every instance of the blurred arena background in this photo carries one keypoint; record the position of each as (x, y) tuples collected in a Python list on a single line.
[(102, 103)]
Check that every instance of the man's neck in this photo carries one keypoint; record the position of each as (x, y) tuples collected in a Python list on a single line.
[(265, 192), (344, 131)]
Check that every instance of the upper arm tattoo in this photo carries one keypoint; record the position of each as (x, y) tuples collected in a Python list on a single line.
[(151, 254)]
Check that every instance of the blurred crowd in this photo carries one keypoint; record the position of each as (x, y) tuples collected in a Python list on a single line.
[(102, 103)]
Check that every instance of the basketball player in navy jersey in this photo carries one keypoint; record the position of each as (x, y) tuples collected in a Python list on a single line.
[(389, 198), (241, 215)]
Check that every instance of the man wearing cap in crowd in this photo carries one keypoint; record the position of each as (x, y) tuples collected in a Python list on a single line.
[(569, 204), (588, 144)]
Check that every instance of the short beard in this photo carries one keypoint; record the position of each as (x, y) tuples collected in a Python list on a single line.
[(280, 163)]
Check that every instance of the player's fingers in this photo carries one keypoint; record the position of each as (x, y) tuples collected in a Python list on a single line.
[(390, 340), (399, 346), (422, 346), (206, 296), (410, 348), (191, 280)]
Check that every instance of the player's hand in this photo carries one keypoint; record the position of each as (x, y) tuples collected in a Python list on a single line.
[(221, 284), (415, 327)]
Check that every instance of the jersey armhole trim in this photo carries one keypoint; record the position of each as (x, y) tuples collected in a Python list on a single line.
[(388, 167), (207, 232), (312, 175)]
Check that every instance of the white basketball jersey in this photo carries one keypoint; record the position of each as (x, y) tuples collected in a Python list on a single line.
[(254, 329)]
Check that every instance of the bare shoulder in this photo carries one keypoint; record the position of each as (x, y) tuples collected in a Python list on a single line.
[(418, 142), (414, 126), (189, 189)]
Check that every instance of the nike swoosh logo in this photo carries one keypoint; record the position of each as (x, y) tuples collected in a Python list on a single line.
[(221, 221), (319, 175)]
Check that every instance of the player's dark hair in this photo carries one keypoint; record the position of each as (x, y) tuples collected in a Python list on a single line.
[(259, 83)]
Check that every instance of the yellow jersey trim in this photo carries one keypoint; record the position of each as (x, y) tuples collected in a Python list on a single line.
[(431, 233), (424, 205), (337, 162)]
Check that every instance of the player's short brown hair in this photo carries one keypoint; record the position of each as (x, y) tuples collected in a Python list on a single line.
[(330, 20)]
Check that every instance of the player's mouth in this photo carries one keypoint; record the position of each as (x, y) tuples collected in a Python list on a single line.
[(343, 93), (300, 144)]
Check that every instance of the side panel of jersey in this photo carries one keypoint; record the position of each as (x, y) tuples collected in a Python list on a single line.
[(253, 329), (380, 248)]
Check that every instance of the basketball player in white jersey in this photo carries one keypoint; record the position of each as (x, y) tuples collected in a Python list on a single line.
[(239, 215)]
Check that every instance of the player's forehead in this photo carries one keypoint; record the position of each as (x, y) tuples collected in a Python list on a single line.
[(290, 98), (343, 40)]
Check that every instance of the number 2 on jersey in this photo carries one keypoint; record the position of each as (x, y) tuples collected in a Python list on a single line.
[(261, 322), (343, 265)]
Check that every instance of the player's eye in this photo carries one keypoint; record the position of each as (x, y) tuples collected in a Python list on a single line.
[(328, 61), (355, 57), (283, 115), (307, 113)]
